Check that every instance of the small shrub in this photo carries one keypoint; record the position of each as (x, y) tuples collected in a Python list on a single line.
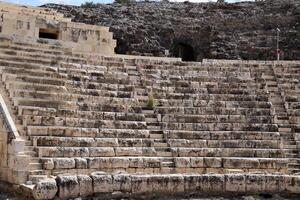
[(151, 101), (89, 4)]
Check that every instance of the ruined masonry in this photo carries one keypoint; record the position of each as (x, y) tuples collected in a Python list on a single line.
[(78, 120)]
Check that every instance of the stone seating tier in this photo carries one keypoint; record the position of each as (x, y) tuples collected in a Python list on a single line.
[(85, 113)]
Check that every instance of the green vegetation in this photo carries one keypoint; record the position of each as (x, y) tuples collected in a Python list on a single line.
[(89, 4), (151, 101)]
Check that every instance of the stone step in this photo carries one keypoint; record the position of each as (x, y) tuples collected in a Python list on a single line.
[(156, 132), (143, 98), (36, 178), (289, 142), (28, 143), (282, 115), (147, 111), (289, 146), (30, 153), (233, 171), (294, 165), (282, 121), (284, 129), (153, 127), (156, 124), (167, 164), (291, 155), (156, 136), (37, 172), (151, 120), (35, 166), (29, 148), (160, 144), (34, 160), (150, 115), (294, 171), (164, 154)]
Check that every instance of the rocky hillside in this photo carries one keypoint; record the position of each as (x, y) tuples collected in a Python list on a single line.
[(198, 30)]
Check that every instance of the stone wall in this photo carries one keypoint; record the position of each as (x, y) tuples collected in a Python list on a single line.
[(26, 26), (141, 185)]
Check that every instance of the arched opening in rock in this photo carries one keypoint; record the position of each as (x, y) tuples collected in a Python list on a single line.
[(186, 52)]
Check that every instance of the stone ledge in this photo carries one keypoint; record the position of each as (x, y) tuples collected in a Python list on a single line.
[(146, 185)]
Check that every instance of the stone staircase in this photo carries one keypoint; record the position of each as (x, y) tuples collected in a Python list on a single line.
[(153, 124), (281, 118), (35, 172)]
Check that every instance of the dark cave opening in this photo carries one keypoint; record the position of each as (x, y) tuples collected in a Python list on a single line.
[(48, 34), (185, 51)]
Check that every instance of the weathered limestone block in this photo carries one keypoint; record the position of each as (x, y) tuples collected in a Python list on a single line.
[(297, 136), (141, 184), (255, 183), (45, 189), (175, 183), (128, 151), (191, 182), (212, 183), (182, 162), (102, 152), (119, 162), (235, 183), (64, 163), (93, 163), (274, 183), (106, 142), (73, 132), (213, 162), (159, 183), (47, 163), (136, 162), (151, 162), (68, 186), (81, 163), (239, 163), (85, 185), (89, 132), (197, 162), (75, 151), (105, 163), (292, 184), (122, 182), (102, 182)]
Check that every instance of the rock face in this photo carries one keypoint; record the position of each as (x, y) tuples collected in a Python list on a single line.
[(195, 31)]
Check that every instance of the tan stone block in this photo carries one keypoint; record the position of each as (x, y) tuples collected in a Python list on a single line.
[(235, 183), (45, 189), (182, 162), (212, 183), (197, 162), (212, 162), (102, 182), (85, 185), (122, 182), (292, 184), (141, 184), (68, 186), (255, 183)]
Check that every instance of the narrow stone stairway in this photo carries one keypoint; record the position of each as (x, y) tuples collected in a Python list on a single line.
[(34, 166), (282, 120), (152, 121)]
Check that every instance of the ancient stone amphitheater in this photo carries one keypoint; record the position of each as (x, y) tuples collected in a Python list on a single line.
[(78, 120)]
